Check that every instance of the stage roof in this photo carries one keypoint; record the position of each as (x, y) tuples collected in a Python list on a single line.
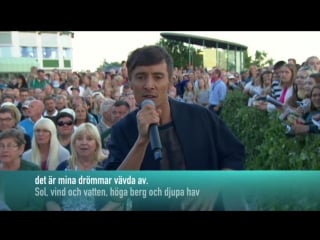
[(203, 41)]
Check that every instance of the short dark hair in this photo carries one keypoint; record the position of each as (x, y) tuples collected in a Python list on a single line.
[(278, 65), (47, 98), (24, 90), (64, 114), (119, 103), (147, 56)]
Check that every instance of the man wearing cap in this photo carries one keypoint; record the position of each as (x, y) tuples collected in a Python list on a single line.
[(75, 91), (36, 108), (25, 108)]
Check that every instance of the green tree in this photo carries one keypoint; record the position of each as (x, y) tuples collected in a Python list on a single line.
[(260, 59), (182, 55), (105, 65)]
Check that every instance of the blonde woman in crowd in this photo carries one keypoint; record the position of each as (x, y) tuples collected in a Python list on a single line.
[(82, 114), (302, 74), (314, 63), (312, 119), (86, 150), (309, 83), (86, 155), (46, 150), (202, 94), (266, 82), (97, 100), (92, 85), (189, 95)]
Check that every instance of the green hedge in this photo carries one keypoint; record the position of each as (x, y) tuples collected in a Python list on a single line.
[(267, 145)]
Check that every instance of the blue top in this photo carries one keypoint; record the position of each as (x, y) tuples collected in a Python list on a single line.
[(218, 92)]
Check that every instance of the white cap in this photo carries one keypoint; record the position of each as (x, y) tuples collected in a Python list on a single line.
[(70, 111)]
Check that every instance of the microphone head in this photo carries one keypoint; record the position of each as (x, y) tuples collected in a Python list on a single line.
[(147, 102)]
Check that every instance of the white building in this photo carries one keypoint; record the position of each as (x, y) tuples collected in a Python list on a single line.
[(20, 50)]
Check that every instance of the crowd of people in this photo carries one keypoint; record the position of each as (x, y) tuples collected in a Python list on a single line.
[(64, 120)]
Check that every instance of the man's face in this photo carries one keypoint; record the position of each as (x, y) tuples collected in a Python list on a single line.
[(34, 109), (118, 113), (151, 82), (41, 75), (48, 90), (50, 105), (24, 96)]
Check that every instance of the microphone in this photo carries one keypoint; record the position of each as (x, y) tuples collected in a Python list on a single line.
[(154, 136)]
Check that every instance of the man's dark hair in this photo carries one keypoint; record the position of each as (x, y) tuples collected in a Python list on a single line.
[(47, 98), (24, 90), (62, 115), (278, 65), (316, 77), (121, 103), (147, 56)]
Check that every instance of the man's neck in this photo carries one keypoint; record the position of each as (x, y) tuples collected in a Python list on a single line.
[(35, 119), (165, 116)]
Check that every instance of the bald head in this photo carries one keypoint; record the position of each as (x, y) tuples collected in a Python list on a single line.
[(36, 109)]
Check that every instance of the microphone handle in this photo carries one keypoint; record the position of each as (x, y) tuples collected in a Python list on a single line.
[(155, 142)]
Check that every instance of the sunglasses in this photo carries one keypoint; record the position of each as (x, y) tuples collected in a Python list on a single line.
[(60, 124)]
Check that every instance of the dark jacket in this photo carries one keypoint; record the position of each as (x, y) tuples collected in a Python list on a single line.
[(206, 141)]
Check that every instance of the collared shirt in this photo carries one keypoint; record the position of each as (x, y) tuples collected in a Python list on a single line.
[(218, 92), (28, 125)]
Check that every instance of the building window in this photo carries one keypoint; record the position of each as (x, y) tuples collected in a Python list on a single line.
[(6, 52), (67, 53), (50, 53), (29, 52)]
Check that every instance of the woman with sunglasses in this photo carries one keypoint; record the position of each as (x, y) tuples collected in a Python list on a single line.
[(65, 128)]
